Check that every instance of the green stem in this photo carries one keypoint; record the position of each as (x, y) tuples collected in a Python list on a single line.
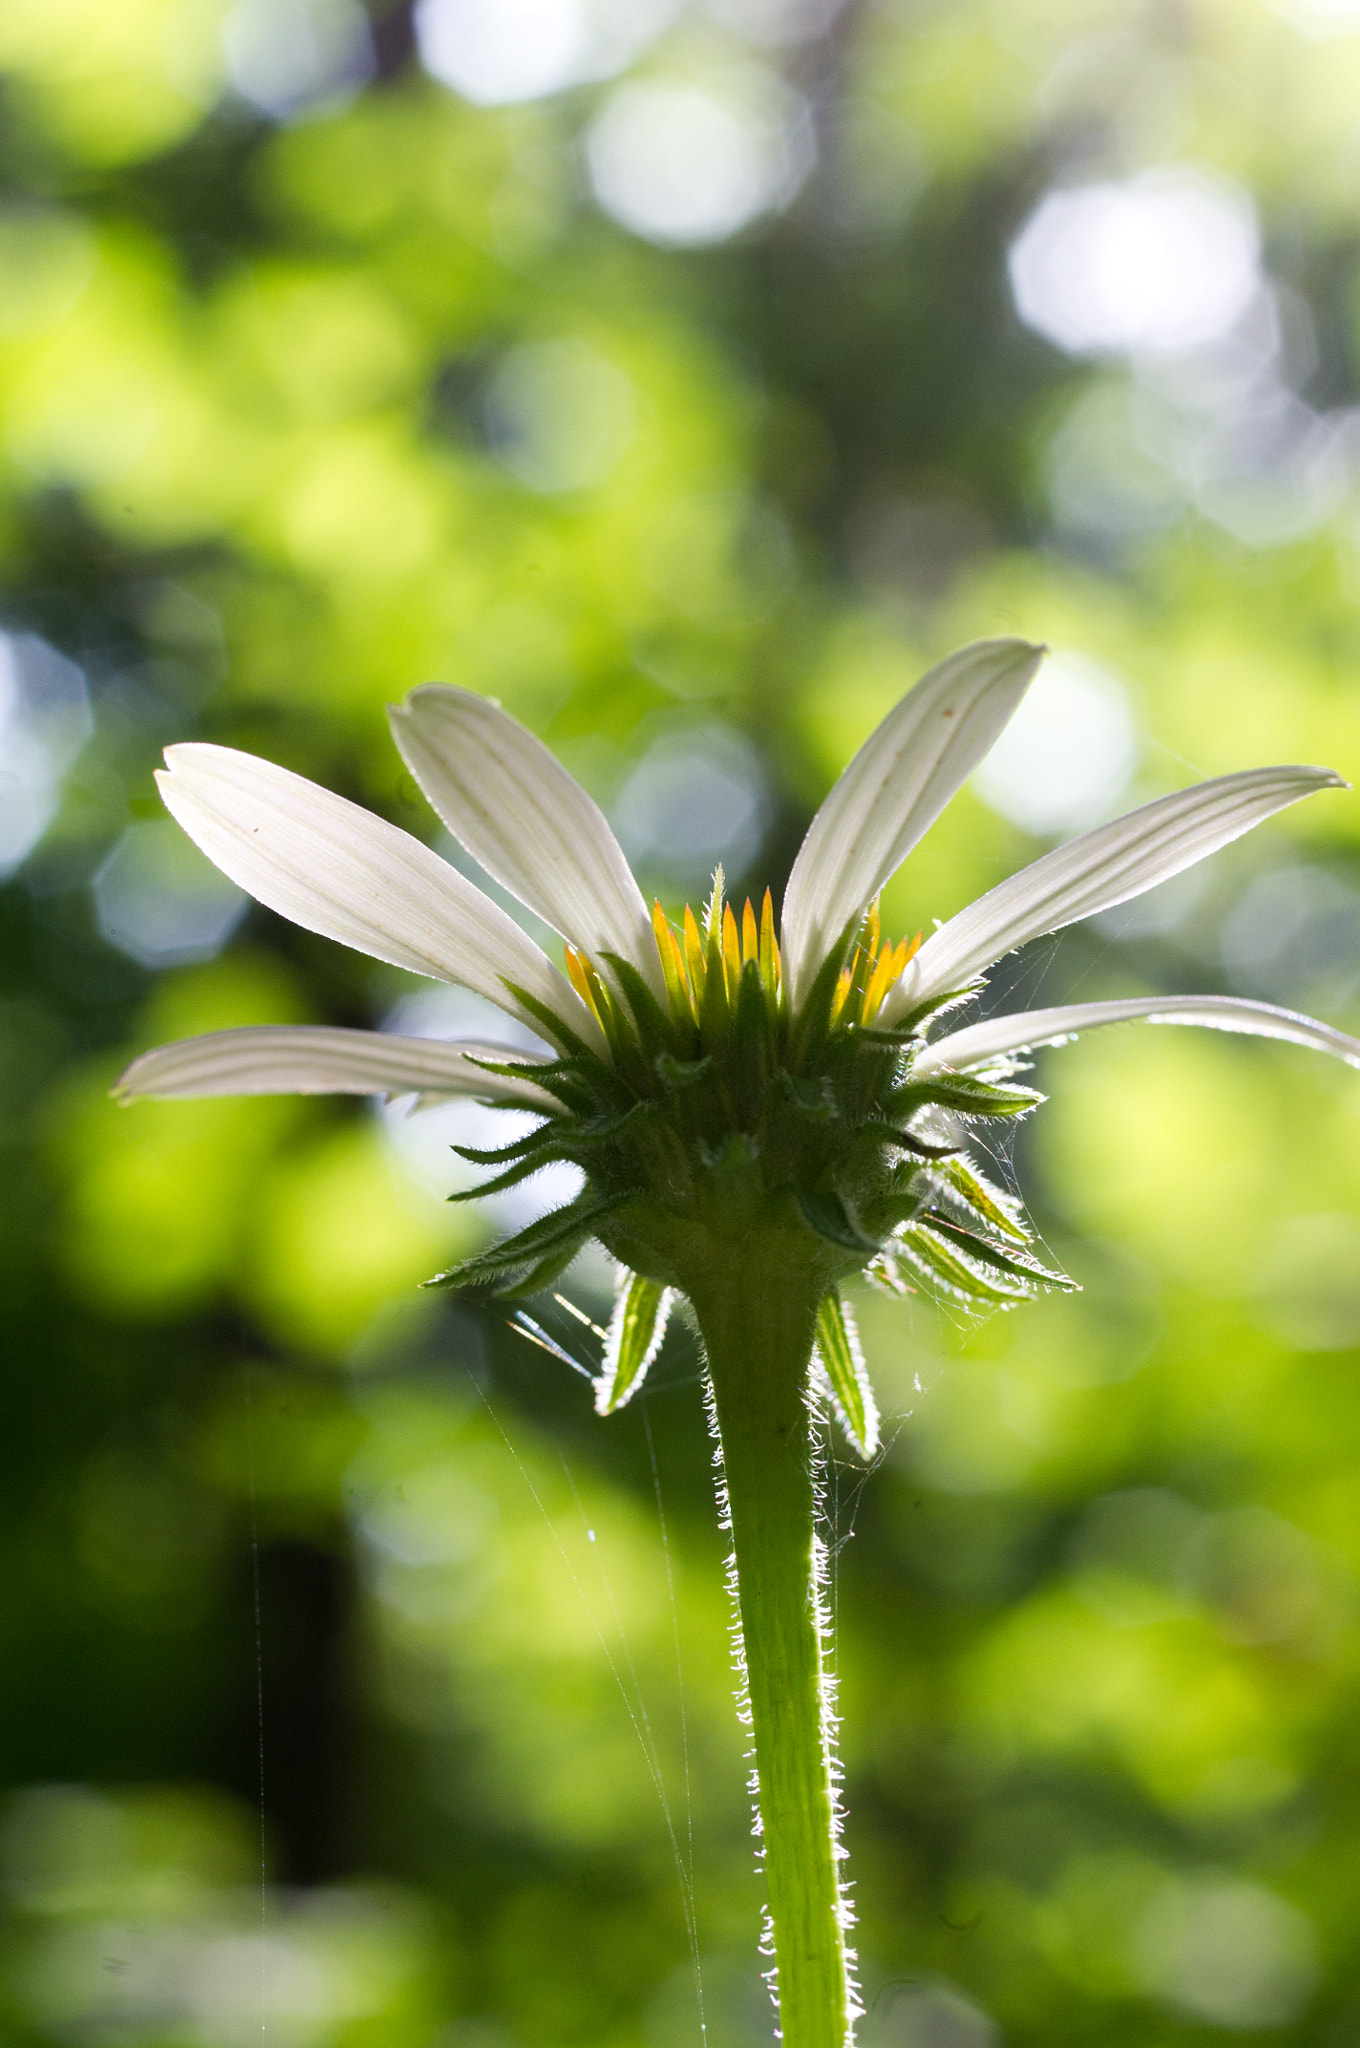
[(759, 1343)]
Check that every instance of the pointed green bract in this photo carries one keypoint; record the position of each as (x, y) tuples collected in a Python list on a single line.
[(564, 1231), (636, 1330), (975, 1192), (502, 1155), (992, 1258), (521, 1170), (964, 1095), (944, 1269), (842, 1361), (965, 1265)]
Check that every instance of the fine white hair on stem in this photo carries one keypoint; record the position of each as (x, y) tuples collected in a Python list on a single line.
[(740, 1667), (829, 1688)]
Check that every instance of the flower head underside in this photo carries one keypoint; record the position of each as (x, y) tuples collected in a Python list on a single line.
[(730, 1089)]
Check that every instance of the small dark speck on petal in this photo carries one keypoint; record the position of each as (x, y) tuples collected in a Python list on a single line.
[(949, 714)]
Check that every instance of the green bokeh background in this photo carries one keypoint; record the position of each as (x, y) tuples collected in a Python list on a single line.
[(271, 1515)]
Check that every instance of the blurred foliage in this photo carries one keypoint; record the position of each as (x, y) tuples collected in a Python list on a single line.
[(357, 1681)]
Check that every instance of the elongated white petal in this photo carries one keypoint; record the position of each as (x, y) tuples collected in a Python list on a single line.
[(979, 1043), (515, 808), (893, 791), (337, 869), (1096, 871), (302, 1059)]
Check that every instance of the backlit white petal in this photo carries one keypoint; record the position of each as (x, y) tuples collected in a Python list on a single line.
[(292, 1059), (1096, 871), (980, 1043), (531, 825), (893, 791), (337, 869)]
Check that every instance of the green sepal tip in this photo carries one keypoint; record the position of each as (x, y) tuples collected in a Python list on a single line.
[(842, 1363), (636, 1329)]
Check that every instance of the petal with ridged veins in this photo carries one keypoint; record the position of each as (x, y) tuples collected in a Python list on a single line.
[(893, 791), (1095, 872), (307, 1059), (335, 868), (978, 1044), (516, 809)]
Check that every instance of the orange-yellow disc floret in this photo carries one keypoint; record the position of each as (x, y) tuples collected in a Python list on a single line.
[(586, 981), (721, 945), (874, 966), (688, 959), (723, 948)]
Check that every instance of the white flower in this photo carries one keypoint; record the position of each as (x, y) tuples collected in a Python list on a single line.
[(645, 1010), (336, 869)]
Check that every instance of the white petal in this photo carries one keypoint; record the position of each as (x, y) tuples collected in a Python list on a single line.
[(893, 791), (979, 1043), (301, 1059), (515, 808), (337, 869), (1096, 871)]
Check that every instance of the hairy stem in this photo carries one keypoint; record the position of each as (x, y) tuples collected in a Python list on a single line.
[(759, 1343)]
